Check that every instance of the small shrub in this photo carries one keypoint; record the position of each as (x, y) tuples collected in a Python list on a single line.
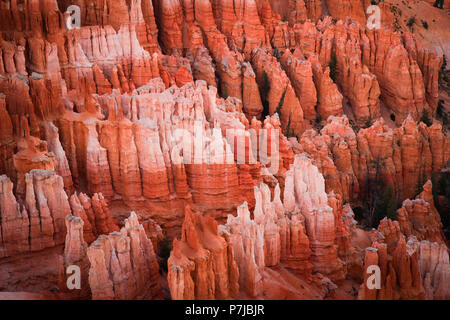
[(425, 24), (439, 4), (441, 113), (444, 121), (359, 213), (393, 117)]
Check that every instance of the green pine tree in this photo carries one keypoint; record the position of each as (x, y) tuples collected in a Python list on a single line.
[(333, 66), (426, 118)]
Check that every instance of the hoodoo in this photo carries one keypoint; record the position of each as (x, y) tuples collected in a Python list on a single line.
[(224, 149)]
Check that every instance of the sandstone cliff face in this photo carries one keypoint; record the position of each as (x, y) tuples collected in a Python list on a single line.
[(283, 233), (420, 218), (123, 264), (434, 269), (411, 253), (363, 54), (329, 100), (403, 166), (409, 270), (15, 224), (400, 275), (347, 8), (202, 265), (61, 164), (95, 214)]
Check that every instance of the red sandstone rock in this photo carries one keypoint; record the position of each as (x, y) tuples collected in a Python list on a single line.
[(61, 164), (154, 233), (201, 265), (305, 189), (329, 99), (32, 154), (407, 96), (88, 221), (434, 269), (247, 240), (75, 254), (359, 85), (400, 276), (40, 223), (14, 222), (347, 8)]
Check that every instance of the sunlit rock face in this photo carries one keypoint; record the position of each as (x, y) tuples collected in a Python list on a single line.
[(202, 265), (223, 149)]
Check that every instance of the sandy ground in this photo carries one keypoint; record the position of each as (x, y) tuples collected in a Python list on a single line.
[(437, 35)]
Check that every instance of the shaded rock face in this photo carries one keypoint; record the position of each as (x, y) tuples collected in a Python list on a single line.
[(246, 129), (39, 222), (305, 190), (123, 264), (95, 214), (420, 218), (202, 265), (292, 234), (406, 154)]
